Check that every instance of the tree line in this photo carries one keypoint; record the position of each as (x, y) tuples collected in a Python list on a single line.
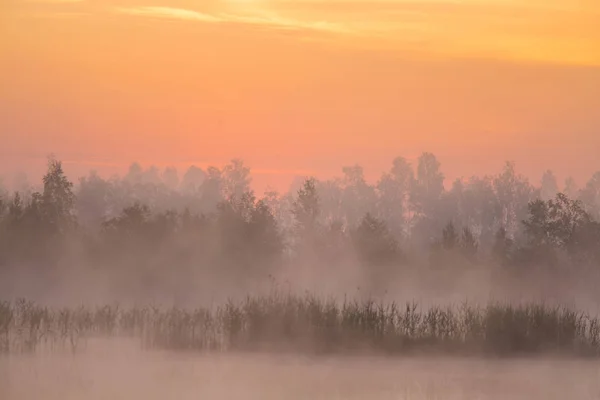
[(152, 227)]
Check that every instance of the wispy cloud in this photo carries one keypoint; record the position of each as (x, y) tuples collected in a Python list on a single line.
[(534, 30), (52, 1), (261, 18), (169, 13)]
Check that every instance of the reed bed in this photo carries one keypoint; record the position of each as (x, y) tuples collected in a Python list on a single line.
[(308, 324)]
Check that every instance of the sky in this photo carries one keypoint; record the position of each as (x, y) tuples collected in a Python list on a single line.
[(301, 87)]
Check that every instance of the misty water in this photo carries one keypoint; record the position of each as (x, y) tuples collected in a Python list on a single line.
[(120, 370)]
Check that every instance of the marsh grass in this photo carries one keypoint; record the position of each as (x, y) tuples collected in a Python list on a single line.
[(308, 324)]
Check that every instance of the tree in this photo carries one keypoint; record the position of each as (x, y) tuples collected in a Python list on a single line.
[(3, 190), (480, 209), (447, 250), (549, 187), (336, 245), (151, 176), (585, 245), (306, 207), (3, 229), (514, 194), (571, 190), (358, 197), (93, 200), (426, 197), (554, 222), (557, 226), (134, 174), (57, 199), (331, 200), (249, 237), (236, 178), (264, 234), (374, 243), (590, 196), (450, 238), (394, 196), (132, 222), (170, 177), (502, 248), (233, 215), (468, 244), (428, 186), (211, 190), (193, 179), (377, 251)]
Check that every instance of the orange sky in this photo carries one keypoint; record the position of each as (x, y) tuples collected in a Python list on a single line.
[(296, 86)]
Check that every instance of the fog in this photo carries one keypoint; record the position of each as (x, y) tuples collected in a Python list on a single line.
[(119, 370), (199, 238), (203, 235)]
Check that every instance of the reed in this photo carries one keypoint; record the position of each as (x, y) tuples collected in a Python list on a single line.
[(309, 324)]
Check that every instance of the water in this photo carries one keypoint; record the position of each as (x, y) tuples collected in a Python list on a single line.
[(120, 370)]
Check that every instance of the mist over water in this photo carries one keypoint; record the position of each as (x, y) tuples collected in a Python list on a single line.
[(119, 370), (522, 258)]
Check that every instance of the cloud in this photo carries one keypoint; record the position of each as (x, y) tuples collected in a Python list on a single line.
[(560, 31), (287, 23), (264, 19), (52, 1), (169, 13)]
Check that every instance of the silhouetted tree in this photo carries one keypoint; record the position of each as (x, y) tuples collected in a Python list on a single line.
[(132, 223), (306, 208), (57, 199)]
